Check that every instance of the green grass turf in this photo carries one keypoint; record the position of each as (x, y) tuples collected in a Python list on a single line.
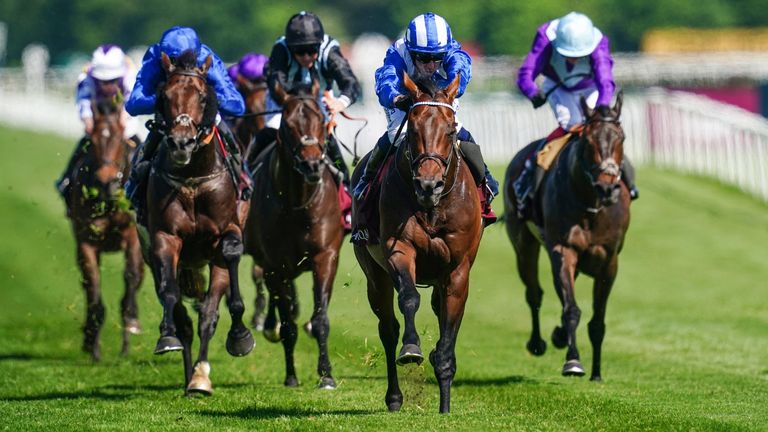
[(686, 345)]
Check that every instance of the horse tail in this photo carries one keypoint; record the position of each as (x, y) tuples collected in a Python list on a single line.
[(192, 282)]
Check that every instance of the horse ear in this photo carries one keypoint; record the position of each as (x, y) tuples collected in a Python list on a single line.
[(279, 94), (206, 65), (411, 86), (315, 87), (453, 89), (585, 108), (167, 65), (619, 103)]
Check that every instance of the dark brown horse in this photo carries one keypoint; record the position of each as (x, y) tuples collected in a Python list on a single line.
[(102, 222), (294, 223), (430, 231), (193, 222), (255, 96), (581, 214)]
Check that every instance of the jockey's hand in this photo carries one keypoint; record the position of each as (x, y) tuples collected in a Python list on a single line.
[(538, 100), (88, 122), (333, 105), (403, 103)]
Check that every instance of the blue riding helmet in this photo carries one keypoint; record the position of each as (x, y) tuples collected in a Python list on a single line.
[(428, 33), (177, 39)]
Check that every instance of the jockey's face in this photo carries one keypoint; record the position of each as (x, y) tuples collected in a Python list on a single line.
[(108, 88), (427, 64), (306, 55), (573, 60)]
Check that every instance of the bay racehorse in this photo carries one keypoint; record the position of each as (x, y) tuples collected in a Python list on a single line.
[(193, 222), (294, 223), (430, 231), (102, 222), (255, 96), (581, 215)]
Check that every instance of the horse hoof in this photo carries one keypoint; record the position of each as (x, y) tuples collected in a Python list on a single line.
[(200, 383), (573, 368), (394, 406), (410, 353), (536, 347), (133, 326), (238, 346), (326, 383), (257, 322), (308, 329), (273, 334), (167, 344), (291, 381), (559, 338), (394, 402), (596, 378)]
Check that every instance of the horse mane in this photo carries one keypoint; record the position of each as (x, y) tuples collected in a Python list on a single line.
[(187, 60), (301, 90), (427, 85)]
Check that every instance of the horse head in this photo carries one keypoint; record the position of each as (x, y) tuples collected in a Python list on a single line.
[(302, 134), (255, 95), (188, 106), (604, 150), (108, 145), (431, 137)]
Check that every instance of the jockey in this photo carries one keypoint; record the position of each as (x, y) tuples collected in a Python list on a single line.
[(575, 59), (251, 67), (303, 53), (143, 100), (110, 74), (428, 48)]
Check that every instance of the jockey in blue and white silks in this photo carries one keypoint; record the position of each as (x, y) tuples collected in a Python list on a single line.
[(427, 49), (176, 42), (109, 75)]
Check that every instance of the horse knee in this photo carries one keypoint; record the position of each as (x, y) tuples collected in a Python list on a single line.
[(572, 315), (408, 299), (232, 247)]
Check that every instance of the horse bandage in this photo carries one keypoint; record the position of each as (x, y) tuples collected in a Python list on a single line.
[(549, 152)]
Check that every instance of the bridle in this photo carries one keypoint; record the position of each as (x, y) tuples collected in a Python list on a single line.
[(416, 162), (305, 140), (606, 166), (184, 119)]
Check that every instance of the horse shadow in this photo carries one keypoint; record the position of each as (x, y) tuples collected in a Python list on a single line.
[(273, 412)]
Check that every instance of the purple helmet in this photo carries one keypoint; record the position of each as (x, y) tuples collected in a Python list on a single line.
[(252, 65), (232, 71)]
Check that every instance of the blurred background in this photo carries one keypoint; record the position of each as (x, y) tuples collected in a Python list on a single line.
[(695, 72)]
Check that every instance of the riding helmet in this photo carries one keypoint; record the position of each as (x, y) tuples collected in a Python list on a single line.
[(428, 33), (304, 28)]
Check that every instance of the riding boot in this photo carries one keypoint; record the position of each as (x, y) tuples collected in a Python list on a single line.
[(234, 163), (375, 158), (628, 176), (481, 174), (261, 141), (334, 152), (136, 186), (64, 181), (523, 187)]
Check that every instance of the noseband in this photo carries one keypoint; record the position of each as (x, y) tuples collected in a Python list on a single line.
[(306, 141)]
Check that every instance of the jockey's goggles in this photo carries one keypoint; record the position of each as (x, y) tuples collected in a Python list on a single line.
[(305, 49), (428, 57)]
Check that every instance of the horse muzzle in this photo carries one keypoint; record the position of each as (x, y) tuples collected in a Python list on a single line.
[(608, 193), (428, 190), (312, 170)]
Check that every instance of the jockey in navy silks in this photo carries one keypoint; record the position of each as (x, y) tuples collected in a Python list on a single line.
[(575, 59), (109, 75), (427, 49), (143, 100)]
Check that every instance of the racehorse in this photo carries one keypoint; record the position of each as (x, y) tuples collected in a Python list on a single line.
[(581, 214), (430, 231), (102, 222), (193, 221), (294, 223), (255, 95)]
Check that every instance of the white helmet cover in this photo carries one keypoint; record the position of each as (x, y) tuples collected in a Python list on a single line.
[(108, 63), (576, 36)]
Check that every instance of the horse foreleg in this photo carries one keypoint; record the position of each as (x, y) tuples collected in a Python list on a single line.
[(186, 334), (596, 326), (260, 304), (282, 291), (564, 261), (88, 259), (452, 299), (206, 327), (165, 252), (132, 276), (527, 252), (403, 268), (323, 275), (239, 339)]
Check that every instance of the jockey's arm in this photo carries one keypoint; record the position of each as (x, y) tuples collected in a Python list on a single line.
[(602, 67), (278, 68), (339, 70), (229, 99), (388, 78), (144, 94), (457, 61), (534, 62)]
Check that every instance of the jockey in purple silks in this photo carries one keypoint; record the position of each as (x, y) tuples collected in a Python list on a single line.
[(251, 67), (175, 42), (427, 49), (575, 59), (109, 74)]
